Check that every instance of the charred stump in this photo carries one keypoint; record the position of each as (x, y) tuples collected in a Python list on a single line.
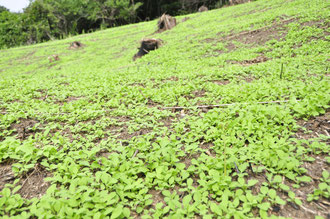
[(203, 8), (147, 45), (165, 22)]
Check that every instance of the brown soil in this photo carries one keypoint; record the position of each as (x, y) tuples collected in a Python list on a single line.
[(173, 78), (261, 36), (199, 93), (221, 82), (277, 31), (33, 184), (167, 121), (125, 135), (248, 79), (104, 153), (157, 197), (257, 60), (3, 111), (121, 130), (24, 128), (6, 175), (136, 84), (76, 45), (68, 100), (307, 209), (315, 126), (208, 150)]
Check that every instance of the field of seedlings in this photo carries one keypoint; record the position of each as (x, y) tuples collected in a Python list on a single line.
[(229, 118)]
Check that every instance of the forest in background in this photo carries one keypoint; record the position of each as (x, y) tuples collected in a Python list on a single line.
[(45, 20)]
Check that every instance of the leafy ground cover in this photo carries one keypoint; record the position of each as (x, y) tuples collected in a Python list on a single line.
[(90, 135)]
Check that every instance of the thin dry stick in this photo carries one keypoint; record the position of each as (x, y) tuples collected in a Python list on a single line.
[(143, 94), (223, 105), (27, 179), (308, 210), (135, 153)]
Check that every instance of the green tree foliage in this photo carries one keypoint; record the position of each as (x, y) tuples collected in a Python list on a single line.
[(152, 9), (11, 30), (46, 20), (2, 8)]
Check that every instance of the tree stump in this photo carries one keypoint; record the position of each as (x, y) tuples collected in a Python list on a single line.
[(165, 22), (203, 8), (147, 45)]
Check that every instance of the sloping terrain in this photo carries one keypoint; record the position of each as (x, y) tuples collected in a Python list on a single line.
[(228, 119)]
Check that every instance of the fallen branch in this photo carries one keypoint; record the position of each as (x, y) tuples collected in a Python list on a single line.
[(223, 105)]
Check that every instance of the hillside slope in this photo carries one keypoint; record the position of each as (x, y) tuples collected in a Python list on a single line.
[(229, 118)]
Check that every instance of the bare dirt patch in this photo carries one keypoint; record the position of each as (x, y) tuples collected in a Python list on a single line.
[(136, 84), (3, 111), (157, 197), (168, 121), (307, 209), (315, 126), (68, 100), (76, 45), (104, 153), (276, 30), (221, 82), (199, 93), (247, 79), (33, 184), (24, 128), (173, 78), (125, 135), (6, 175), (257, 60), (207, 146)]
